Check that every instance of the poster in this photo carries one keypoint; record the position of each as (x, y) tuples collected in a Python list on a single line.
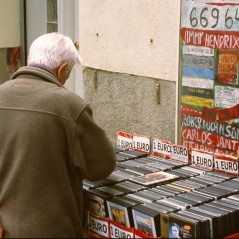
[(209, 76)]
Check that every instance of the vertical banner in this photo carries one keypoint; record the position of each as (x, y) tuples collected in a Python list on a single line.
[(209, 76)]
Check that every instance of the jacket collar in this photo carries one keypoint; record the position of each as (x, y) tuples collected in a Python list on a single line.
[(36, 72)]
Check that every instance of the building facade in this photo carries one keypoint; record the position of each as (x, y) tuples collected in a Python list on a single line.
[(130, 49)]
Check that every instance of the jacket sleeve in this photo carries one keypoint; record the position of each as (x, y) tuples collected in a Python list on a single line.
[(93, 151)]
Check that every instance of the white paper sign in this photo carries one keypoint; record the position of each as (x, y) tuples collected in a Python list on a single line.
[(99, 226), (161, 148), (197, 82), (202, 159), (124, 140), (197, 50), (180, 153), (141, 143), (226, 164), (226, 96), (117, 232)]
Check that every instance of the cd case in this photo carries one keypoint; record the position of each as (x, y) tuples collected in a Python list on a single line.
[(154, 178)]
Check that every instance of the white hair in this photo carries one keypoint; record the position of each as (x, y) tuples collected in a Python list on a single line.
[(52, 49)]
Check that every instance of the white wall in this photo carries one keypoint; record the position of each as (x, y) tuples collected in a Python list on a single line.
[(116, 36), (10, 23)]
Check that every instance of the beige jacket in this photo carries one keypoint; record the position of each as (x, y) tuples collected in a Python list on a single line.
[(49, 144)]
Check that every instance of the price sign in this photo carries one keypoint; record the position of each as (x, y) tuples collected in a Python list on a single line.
[(161, 148), (226, 164), (99, 226), (124, 140), (141, 143), (202, 159)]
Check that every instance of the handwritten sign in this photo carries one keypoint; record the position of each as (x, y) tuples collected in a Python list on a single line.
[(197, 50), (209, 76), (197, 101), (226, 96), (212, 39), (228, 67), (197, 82), (210, 15)]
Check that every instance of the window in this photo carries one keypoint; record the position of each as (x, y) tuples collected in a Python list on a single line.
[(52, 18)]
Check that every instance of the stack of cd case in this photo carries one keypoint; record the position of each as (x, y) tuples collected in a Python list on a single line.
[(147, 217), (215, 219), (147, 196), (100, 194), (168, 191), (129, 155), (87, 184), (184, 225)]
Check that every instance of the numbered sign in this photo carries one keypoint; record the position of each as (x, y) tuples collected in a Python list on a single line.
[(118, 231), (226, 164), (202, 159), (99, 226), (124, 140), (162, 148), (179, 153), (141, 143)]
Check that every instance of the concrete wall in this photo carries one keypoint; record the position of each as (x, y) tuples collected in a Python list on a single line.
[(10, 38), (127, 102), (132, 45)]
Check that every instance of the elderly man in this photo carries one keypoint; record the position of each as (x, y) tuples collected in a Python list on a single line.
[(49, 144)]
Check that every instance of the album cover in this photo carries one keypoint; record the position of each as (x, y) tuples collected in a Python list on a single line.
[(204, 223), (96, 202), (154, 178), (174, 225), (145, 223), (147, 217), (120, 209), (118, 214)]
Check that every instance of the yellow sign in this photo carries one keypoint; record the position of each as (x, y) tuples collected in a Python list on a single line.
[(197, 101)]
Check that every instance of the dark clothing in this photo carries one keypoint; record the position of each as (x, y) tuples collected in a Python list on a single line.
[(49, 144)]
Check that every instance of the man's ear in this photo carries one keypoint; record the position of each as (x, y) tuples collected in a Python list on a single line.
[(62, 68), (62, 74)]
